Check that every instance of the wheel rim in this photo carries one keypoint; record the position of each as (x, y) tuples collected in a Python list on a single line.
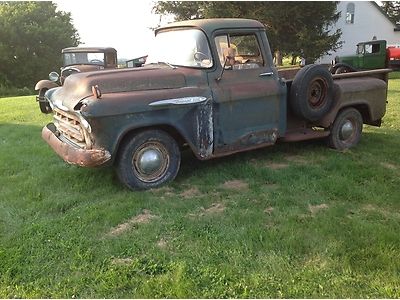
[(347, 132), (317, 92), (150, 162)]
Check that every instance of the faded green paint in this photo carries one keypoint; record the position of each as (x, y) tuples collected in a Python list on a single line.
[(369, 55)]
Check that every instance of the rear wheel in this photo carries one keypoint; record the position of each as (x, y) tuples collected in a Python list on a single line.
[(148, 160), (346, 129)]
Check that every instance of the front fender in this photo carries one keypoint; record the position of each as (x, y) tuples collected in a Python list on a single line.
[(45, 84)]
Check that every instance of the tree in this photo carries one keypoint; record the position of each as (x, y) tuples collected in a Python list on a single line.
[(392, 9), (296, 28), (32, 35)]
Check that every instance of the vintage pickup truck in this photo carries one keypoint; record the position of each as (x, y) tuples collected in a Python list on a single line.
[(209, 85)]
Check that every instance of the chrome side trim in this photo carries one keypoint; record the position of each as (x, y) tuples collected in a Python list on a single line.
[(179, 101)]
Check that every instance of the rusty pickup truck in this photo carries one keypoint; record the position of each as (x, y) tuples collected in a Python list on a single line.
[(211, 86)]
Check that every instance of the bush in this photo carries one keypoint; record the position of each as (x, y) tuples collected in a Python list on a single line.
[(9, 91)]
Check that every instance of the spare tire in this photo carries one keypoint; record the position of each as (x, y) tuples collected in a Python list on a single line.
[(311, 94)]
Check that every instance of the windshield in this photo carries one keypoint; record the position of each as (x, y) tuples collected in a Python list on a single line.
[(83, 58), (185, 47)]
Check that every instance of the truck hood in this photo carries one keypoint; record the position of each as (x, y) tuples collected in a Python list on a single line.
[(79, 86)]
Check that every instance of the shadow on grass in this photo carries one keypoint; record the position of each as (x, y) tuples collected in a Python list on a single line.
[(23, 155)]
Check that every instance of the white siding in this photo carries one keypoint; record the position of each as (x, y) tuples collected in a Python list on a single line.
[(368, 22)]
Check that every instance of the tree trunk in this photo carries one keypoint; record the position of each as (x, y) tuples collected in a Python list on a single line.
[(278, 58)]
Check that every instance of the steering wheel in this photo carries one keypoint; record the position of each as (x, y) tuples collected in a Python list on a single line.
[(199, 56), (96, 61)]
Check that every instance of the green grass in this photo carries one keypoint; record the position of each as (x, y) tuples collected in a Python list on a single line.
[(294, 220)]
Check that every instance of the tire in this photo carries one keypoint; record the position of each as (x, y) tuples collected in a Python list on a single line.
[(346, 129), (311, 94), (43, 103), (149, 159), (341, 70)]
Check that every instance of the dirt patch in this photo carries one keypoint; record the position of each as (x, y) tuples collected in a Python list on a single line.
[(121, 261), (314, 209), (162, 243), (386, 212), (190, 193), (237, 185), (143, 218), (297, 159), (269, 210), (215, 208), (165, 191), (389, 166), (277, 166)]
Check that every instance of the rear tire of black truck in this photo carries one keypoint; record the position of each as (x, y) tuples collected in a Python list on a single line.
[(346, 129), (311, 94), (147, 160)]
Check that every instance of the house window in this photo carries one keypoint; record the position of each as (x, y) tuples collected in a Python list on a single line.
[(350, 13)]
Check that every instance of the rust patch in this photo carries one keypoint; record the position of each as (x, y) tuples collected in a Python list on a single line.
[(314, 209), (237, 185), (121, 261), (142, 218)]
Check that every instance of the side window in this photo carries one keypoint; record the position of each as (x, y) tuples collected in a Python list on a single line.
[(350, 13), (244, 48)]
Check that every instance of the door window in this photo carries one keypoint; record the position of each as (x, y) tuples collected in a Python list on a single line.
[(239, 51)]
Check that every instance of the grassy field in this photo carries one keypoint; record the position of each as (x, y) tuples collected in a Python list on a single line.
[(294, 220)]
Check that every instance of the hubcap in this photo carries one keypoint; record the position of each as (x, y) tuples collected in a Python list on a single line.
[(347, 130), (150, 162)]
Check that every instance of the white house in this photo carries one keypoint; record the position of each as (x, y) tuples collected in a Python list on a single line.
[(362, 21)]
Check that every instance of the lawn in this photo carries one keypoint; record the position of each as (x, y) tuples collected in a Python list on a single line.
[(294, 220)]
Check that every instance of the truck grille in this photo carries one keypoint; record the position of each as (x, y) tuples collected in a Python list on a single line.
[(70, 127)]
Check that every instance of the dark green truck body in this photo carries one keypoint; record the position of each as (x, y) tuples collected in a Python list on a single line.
[(137, 118)]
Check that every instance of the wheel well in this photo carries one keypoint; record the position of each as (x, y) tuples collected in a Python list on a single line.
[(363, 110), (167, 128)]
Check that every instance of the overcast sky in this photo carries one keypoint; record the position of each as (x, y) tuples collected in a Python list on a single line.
[(122, 24)]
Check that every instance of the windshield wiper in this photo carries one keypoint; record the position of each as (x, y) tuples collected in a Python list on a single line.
[(164, 63)]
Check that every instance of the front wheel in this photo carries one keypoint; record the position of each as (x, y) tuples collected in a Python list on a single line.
[(346, 129), (148, 160), (43, 103)]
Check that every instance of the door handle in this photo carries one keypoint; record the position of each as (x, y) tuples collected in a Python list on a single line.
[(266, 74)]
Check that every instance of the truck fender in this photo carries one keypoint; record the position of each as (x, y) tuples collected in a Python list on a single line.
[(342, 68), (46, 84)]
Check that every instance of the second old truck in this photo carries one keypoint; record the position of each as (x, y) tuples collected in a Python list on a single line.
[(210, 86)]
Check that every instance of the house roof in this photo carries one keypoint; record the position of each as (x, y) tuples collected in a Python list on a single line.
[(396, 27)]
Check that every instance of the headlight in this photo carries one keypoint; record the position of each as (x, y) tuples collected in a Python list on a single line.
[(53, 76)]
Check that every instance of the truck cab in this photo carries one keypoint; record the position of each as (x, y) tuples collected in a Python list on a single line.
[(369, 55)]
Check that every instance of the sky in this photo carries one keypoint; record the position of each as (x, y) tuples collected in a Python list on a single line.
[(122, 24)]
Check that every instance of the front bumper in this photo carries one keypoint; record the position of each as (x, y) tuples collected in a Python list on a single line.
[(74, 155)]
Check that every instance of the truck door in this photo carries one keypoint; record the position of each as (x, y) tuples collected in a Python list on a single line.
[(249, 99), (374, 56)]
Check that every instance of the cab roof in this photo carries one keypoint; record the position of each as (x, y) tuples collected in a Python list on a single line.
[(88, 49), (210, 25)]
